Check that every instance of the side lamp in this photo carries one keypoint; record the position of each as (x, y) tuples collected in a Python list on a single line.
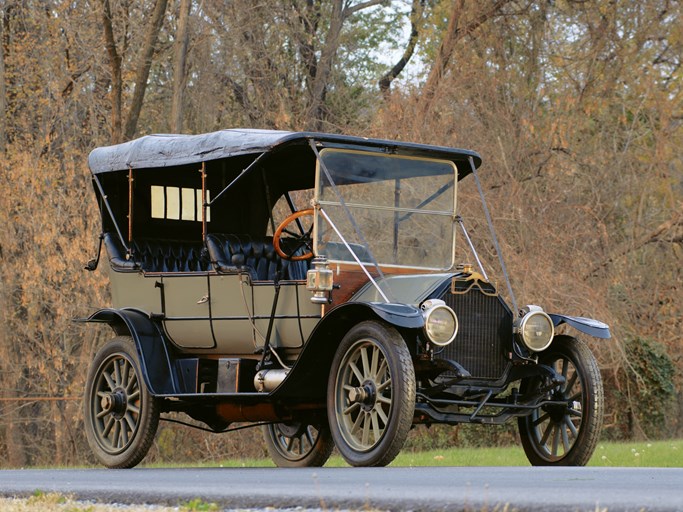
[(319, 280)]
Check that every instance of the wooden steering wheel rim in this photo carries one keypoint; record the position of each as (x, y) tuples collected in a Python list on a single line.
[(280, 229)]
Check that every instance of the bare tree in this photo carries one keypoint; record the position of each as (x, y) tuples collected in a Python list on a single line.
[(142, 73), (459, 26), (119, 131), (415, 16), (179, 65), (341, 11), (115, 69)]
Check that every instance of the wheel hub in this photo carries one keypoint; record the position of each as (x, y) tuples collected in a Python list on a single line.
[(365, 395), (114, 403), (291, 429)]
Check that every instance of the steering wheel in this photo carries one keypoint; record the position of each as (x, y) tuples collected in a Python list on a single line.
[(298, 240)]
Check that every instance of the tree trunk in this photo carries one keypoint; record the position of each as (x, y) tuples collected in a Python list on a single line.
[(179, 65), (144, 66), (315, 111), (309, 21), (314, 115), (392, 74), (115, 70), (457, 30)]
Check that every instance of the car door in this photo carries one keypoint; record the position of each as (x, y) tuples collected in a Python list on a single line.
[(241, 310), (187, 308)]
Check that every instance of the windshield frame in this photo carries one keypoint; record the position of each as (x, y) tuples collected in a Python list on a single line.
[(400, 213)]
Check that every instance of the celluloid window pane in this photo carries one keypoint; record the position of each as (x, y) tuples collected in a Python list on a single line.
[(158, 202), (199, 206), (173, 203), (188, 204), (208, 208), (198, 203)]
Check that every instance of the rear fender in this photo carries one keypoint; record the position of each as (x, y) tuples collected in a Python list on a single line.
[(308, 378), (586, 325), (155, 361)]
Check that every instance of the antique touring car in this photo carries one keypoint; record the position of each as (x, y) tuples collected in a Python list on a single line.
[(307, 283)]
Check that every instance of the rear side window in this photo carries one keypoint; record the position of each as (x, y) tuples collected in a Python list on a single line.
[(175, 203)]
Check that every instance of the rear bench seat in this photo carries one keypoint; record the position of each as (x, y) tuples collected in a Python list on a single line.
[(157, 255), (227, 254), (230, 254)]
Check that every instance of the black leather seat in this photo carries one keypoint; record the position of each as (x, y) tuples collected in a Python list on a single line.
[(231, 254), (157, 255), (170, 256)]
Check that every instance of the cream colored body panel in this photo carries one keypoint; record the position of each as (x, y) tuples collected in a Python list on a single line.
[(187, 320), (133, 290), (231, 306), (186, 314), (241, 314), (286, 332), (219, 314)]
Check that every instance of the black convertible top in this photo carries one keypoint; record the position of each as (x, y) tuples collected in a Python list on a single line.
[(155, 151)]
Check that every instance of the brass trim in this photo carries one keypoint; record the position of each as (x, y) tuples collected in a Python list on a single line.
[(203, 172), (130, 207), (475, 280)]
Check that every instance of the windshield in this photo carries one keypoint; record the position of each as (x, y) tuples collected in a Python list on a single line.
[(399, 210)]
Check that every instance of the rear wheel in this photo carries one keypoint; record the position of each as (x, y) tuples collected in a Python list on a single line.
[(121, 416), (298, 445), (371, 394), (566, 434)]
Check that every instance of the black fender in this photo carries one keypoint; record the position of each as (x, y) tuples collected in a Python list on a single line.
[(155, 361), (308, 378), (588, 326)]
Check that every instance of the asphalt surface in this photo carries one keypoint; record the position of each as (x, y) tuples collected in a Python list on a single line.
[(424, 488)]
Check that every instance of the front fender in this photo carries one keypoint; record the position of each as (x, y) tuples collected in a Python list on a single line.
[(586, 325), (155, 361), (308, 378), (399, 315)]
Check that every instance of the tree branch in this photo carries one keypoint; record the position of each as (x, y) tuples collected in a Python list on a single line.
[(144, 66), (415, 15), (454, 33), (657, 235), (348, 11)]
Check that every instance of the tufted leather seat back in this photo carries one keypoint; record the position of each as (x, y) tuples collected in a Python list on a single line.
[(227, 253), (157, 255), (170, 256), (242, 253)]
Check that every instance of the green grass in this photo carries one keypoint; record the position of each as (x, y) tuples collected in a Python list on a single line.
[(635, 454), (665, 454), (608, 454)]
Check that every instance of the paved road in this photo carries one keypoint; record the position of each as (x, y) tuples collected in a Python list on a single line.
[(430, 489)]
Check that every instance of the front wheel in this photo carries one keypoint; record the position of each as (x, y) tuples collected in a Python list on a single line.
[(371, 394), (565, 434), (121, 416), (298, 445)]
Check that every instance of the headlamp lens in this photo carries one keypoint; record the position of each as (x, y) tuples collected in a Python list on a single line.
[(441, 325), (537, 331)]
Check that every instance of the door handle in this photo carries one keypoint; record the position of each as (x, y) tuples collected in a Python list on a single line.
[(204, 299)]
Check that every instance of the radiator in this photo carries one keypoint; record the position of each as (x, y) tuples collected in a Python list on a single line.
[(484, 335)]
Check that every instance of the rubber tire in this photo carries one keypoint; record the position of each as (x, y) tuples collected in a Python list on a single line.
[(316, 456), (402, 374), (148, 417), (592, 405)]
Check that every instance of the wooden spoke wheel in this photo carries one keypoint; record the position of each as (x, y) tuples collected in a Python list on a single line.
[(121, 416), (566, 434), (371, 394)]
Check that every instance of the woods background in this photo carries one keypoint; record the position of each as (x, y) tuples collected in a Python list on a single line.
[(575, 105)]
